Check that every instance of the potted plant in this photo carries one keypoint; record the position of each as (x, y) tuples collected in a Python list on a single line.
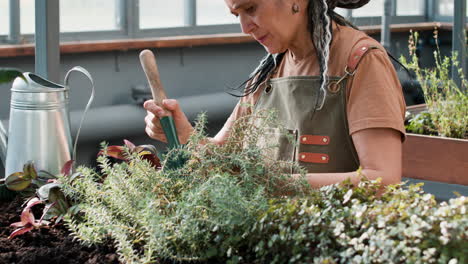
[(436, 147)]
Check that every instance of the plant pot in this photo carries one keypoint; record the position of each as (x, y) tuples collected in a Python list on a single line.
[(416, 109), (437, 159)]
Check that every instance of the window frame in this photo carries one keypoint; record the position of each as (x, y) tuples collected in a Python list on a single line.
[(129, 25)]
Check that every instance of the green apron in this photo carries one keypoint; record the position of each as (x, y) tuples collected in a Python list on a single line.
[(322, 140)]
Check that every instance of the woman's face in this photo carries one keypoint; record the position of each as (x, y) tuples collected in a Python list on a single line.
[(271, 22)]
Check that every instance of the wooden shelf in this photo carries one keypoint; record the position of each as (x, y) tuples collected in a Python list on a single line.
[(183, 41)]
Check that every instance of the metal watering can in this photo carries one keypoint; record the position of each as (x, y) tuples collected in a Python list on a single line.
[(39, 125)]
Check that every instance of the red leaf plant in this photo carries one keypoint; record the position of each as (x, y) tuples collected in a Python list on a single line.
[(48, 193), (146, 152), (67, 169), (28, 221)]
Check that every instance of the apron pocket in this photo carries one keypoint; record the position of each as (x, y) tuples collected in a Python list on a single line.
[(279, 144)]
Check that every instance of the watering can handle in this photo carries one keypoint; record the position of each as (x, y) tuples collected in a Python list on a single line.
[(91, 98)]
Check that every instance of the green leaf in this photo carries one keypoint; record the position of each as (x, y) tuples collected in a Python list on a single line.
[(56, 195), (29, 170), (44, 191), (17, 182), (58, 205), (74, 176), (9, 74), (45, 175), (55, 209)]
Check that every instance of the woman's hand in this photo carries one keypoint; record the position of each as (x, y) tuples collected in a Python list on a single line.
[(154, 113)]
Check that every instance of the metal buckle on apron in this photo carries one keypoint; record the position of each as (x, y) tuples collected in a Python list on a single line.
[(268, 88), (333, 86), (349, 73)]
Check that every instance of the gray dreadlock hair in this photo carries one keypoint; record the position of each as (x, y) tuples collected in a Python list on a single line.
[(320, 14), (324, 45)]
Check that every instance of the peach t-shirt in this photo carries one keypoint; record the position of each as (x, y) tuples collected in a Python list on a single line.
[(374, 94)]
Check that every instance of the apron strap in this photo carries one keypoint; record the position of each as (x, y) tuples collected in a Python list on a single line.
[(353, 62), (356, 57)]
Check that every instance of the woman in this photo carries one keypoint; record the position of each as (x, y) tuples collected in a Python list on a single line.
[(333, 86)]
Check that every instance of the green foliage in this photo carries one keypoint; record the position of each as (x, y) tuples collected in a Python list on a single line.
[(29, 180), (21, 180), (9, 74), (422, 124), (227, 205), (447, 104), (338, 226), (31, 183)]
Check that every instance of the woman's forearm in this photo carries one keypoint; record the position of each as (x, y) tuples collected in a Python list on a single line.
[(317, 180)]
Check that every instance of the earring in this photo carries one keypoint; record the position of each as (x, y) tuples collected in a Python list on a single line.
[(295, 8)]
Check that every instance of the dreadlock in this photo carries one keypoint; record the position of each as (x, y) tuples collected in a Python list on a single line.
[(320, 30), (320, 14)]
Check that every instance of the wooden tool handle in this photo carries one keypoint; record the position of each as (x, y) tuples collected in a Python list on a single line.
[(148, 62)]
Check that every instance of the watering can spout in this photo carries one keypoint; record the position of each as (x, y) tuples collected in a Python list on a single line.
[(3, 143)]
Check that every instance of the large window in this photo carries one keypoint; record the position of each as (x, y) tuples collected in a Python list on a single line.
[(446, 7), (343, 12), (76, 16), (403, 8), (27, 16), (410, 7), (161, 13), (89, 15), (4, 17), (372, 9), (211, 12)]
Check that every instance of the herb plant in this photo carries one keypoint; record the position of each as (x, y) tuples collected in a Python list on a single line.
[(227, 204), (447, 104)]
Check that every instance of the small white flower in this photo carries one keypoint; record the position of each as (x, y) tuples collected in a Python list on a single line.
[(381, 223), (443, 228), (428, 254), (444, 240), (361, 211), (427, 197), (338, 229), (363, 237), (453, 261), (417, 233), (347, 196), (353, 241)]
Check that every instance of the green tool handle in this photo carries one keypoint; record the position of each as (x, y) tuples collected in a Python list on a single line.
[(169, 129), (148, 62)]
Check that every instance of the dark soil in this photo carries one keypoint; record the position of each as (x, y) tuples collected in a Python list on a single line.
[(54, 245)]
